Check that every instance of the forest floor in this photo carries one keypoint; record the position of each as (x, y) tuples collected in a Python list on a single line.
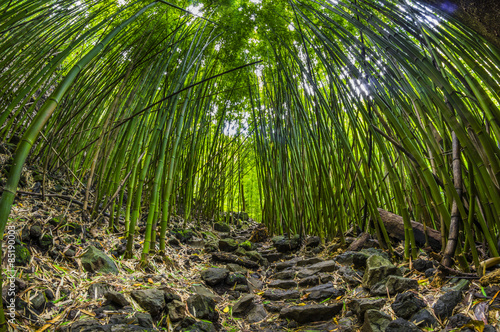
[(221, 277)]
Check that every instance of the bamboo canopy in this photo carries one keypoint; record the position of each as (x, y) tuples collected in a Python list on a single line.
[(312, 115)]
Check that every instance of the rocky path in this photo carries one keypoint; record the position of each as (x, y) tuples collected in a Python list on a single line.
[(234, 278)]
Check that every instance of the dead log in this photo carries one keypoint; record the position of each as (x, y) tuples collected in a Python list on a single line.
[(395, 228)]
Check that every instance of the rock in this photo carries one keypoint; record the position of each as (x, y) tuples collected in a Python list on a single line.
[(39, 302), (152, 300), (407, 304), (183, 235), (401, 325), (214, 276), (284, 275), (201, 326), (23, 256), (35, 232), (309, 261), (94, 260), (325, 291), (353, 278), (202, 307), (286, 264), (375, 321), (176, 310), (457, 321), (272, 307), (230, 258), (283, 284), (423, 318), (144, 320), (278, 295), (244, 305), (202, 290), (221, 227), (378, 269), (489, 328), (311, 313), (116, 298), (228, 245), (326, 266), (243, 216), (271, 255), (236, 268), (358, 259), (313, 241), (421, 265), (360, 306), (254, 284), (309, 281), (285, 244), (305, 273), (96, 291), (256, 257), (247, 245), (235, 278), (256, 314), (429, 273), (397, 284), (444, 306), (46, 241)]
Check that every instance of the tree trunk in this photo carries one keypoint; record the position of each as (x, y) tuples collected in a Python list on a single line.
[(395, 228)]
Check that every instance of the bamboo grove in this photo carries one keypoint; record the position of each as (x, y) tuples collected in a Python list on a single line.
[(339, 108)]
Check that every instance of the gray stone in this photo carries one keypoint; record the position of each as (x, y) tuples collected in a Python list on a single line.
[(235, 278), (176, 310), (152, 300), (356, 258), (236, 268), (422, 265), (283, 284), (221, 227), (397, 284), (116, 298), (256, 314), (284, 275), (94, 260), (228, 245), (401, 325), (39, 302), (97, 290), (305, 273), (311, 313), (309, 281), (326, 266), (22, 255), (360, 306), (309, 261), (353, 278), (285, 244), (202, 290), (202, 307), (424, 318), (407, 304), (244, 305), (201, 326), (214, 276), (325, 291), (375, 321), (444, 306), (278, 295), (378, 269)]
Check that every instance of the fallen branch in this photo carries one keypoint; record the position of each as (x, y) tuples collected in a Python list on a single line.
[(395, 228)]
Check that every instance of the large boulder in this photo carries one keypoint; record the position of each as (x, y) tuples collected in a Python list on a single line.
[(94, 260), (378, 269)]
